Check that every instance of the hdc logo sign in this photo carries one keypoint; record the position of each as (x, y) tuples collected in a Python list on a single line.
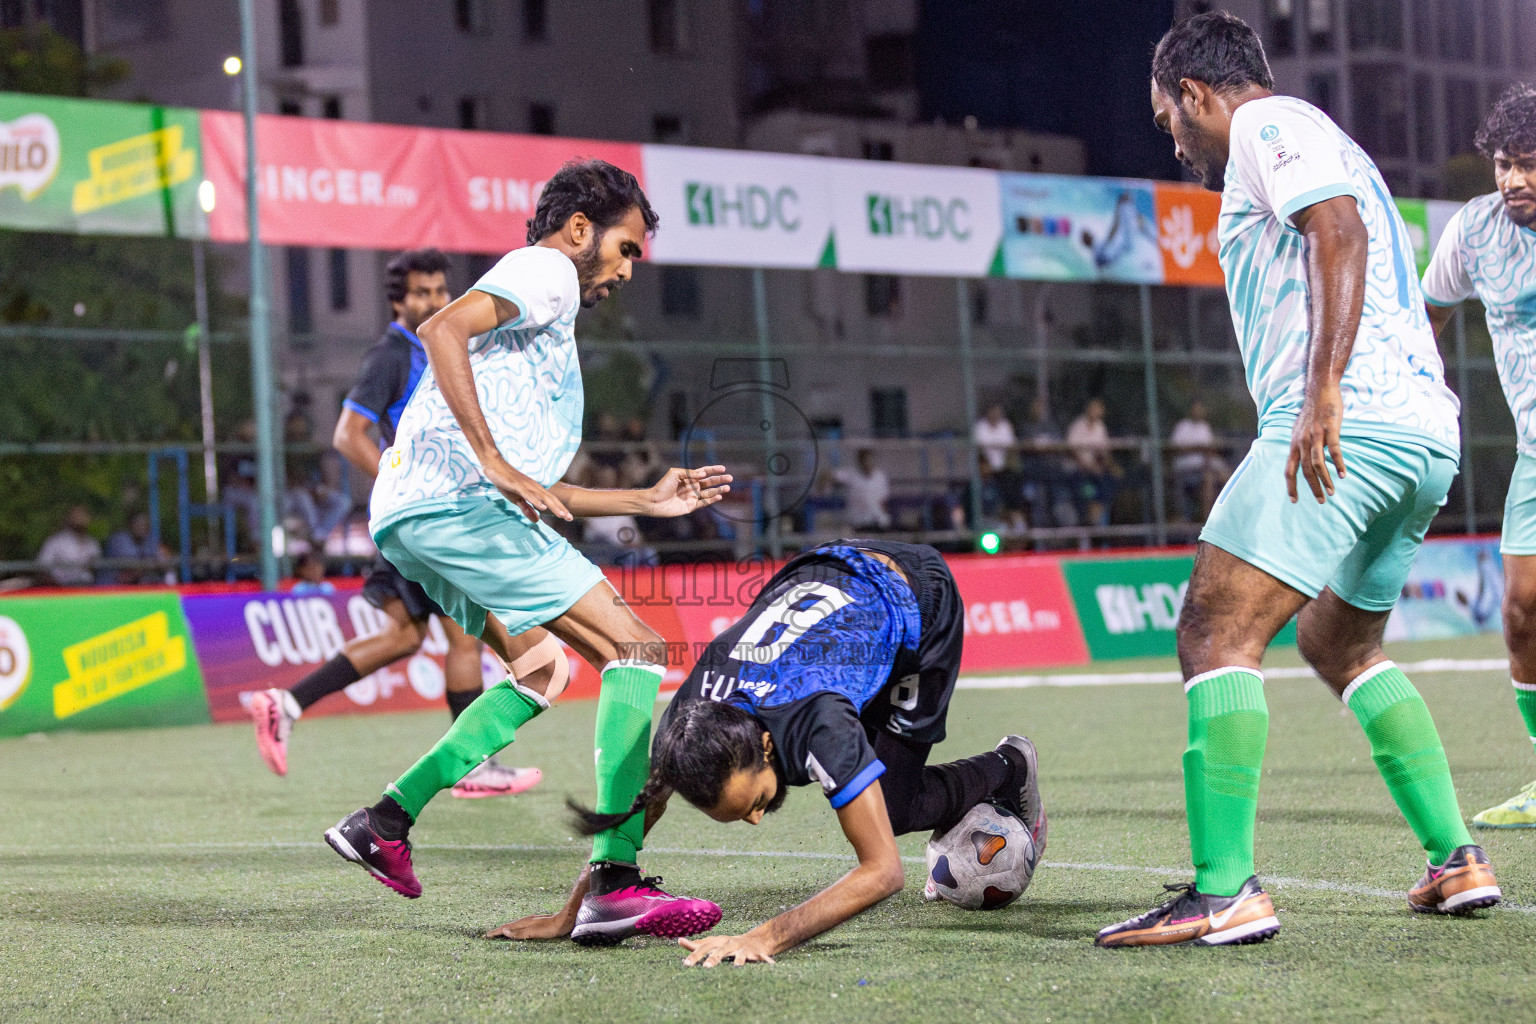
[(920, 216), (748, 206)]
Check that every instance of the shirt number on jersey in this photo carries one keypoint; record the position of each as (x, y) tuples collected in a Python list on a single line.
[(797, 610)]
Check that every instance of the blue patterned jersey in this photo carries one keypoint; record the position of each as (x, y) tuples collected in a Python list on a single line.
[(829, 634), (1486, 254), (528, 381), (1286, 155)]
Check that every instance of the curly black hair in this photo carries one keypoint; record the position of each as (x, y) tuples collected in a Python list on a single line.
[(1511, 124), (1216, 48), (597, 188)]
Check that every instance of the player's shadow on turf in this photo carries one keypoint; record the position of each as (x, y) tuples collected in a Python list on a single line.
[(1041, 919)]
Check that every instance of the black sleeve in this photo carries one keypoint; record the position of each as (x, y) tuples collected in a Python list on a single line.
[(379, 384), (821, 740)]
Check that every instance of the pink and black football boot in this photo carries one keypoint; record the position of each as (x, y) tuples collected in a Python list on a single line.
[(388, 860), (641, 909), (273, 712)]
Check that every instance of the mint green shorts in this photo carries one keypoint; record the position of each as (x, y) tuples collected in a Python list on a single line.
[(488, 559), (1360, 544), (1519, 537)]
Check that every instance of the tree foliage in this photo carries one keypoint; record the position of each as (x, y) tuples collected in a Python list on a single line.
[(37, 59)]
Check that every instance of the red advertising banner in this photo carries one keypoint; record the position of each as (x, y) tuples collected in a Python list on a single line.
[(1018, 613), (344, 184), (1187, 216)]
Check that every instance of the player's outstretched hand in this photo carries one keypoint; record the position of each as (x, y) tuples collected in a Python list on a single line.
[(525, 492), (683, 490), (716, 949), (538, 926)]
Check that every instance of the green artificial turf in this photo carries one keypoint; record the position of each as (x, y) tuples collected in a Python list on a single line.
[(165, 875)]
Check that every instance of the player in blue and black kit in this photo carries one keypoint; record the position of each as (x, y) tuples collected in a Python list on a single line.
[(417, 287), (839, 674)]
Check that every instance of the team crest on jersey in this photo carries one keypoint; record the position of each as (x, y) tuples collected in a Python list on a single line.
[(1280, 153)]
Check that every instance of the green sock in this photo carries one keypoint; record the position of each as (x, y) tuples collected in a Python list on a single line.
[(1228, 725), (623, 740), (1525, 700), (1407, 752), (483, 728)]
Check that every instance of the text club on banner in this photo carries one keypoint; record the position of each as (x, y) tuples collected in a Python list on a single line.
[(97, 662), (905, 219), (718, 207), (96, 168)]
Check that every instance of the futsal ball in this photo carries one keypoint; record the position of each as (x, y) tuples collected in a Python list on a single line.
[(984, 862)]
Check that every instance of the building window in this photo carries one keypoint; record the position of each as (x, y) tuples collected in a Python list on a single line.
[(541, 119), (299, 319), (1425, 120), (980, 297), (668, 22), (1461, 116), (535, 20), (1458, 30), (1375, 24), (471, 113), (1320, 26), (290, 29), (679, 291), (889, 62), (667, 128), (290, 107), (331, 108), (882, 295), (1494, 34), (1424, 28), (888, 412), (330, 12), (1525, 42), (1323, 92), (469, 16), (879, 149), (1282, 27), (341, 294), (1380, 109)]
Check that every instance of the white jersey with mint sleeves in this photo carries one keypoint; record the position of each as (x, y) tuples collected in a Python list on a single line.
[(1486, 254), (528, 380), (1287, 155)]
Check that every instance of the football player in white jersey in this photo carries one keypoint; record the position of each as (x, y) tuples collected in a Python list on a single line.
[(477, 457), (1489, 250), (1348, 380)]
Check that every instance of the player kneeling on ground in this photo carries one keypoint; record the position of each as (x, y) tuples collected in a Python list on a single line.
[(840, 674)]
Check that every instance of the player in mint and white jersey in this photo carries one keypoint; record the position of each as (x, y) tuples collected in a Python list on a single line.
[(1489, 250), (477, 457), (1348, 380)]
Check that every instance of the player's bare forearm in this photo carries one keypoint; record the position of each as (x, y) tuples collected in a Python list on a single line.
[(356, 445), (879, 875), (1439, 316), (1337, 247), (586, 502), (445, 337)]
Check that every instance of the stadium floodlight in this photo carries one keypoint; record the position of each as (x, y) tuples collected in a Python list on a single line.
[(232, 65), (990, 542), (205, 197)]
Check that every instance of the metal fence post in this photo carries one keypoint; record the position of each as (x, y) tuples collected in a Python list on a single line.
[(968, 383), (1468, 495), (1154, 431), (770, 514), (261, 341)]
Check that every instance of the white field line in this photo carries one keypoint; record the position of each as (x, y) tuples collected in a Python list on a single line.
[(1286, 672), (1270, 882)]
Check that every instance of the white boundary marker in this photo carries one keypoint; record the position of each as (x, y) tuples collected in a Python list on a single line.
[(1269, 881)]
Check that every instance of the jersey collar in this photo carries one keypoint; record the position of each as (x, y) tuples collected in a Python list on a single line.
[(410, 335)]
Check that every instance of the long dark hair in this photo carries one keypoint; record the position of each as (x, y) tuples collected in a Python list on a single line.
[(702, 747)]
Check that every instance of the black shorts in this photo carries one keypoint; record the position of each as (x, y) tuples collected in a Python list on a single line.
[(386, 583), (920, 716)]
